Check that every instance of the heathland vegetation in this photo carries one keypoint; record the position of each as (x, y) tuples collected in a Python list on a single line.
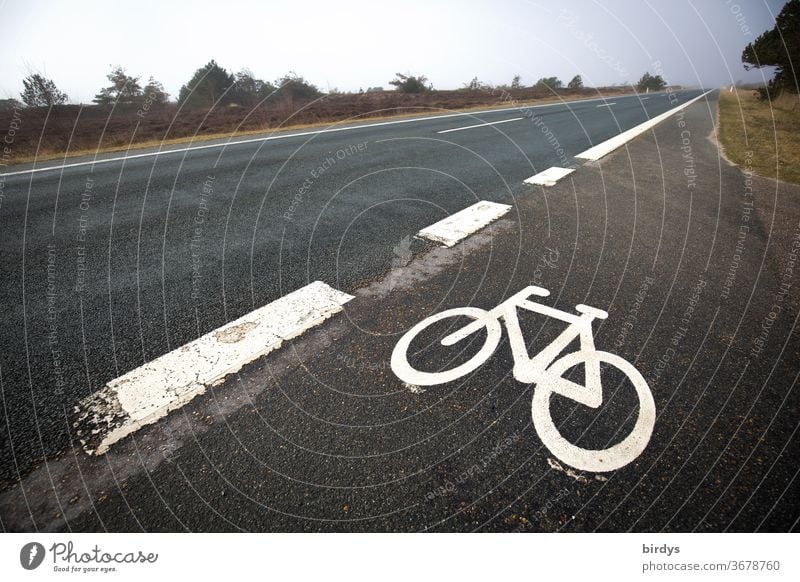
[(215, 102)]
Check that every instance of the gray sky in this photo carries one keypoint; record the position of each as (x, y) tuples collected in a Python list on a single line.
[(352, 44)]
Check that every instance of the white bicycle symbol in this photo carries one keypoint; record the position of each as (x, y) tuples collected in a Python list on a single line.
[(545, 371)]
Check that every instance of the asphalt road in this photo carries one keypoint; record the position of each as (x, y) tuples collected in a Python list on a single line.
[(147, 254), (322, 435)]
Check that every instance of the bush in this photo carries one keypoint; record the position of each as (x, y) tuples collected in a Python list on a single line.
[(250, 90), (648, 81), (41, 92), (575, 83), (771, 90), (549, 83), (410, 83), (293, 86)]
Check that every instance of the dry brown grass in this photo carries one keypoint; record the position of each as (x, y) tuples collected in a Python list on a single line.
[(771, 131), (73, 130)]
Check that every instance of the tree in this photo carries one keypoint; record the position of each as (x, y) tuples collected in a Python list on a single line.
[(650, 82), (474, 85), (411, 84), (154, 91), (779, 48), (210, 84), (549, 83), (124, 89), (251, 90), (9, 104), (516, 82), (41, 92), (575, 83), (293, 86)]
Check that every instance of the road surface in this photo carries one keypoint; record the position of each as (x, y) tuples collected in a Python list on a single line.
[(119, 263)]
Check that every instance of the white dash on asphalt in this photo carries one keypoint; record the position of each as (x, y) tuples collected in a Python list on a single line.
[(480, 125), (549, 176), (463, 223), (606, 104), (150, 392), (608, 146)]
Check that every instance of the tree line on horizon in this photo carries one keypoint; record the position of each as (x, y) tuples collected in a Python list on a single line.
[(212, 85)]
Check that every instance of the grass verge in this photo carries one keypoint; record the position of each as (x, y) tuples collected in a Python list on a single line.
[(770, 131)]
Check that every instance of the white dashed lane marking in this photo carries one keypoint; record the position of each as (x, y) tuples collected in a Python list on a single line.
[(608, 146), (480, 125), (463, 223), (150, 392), (549, 176)]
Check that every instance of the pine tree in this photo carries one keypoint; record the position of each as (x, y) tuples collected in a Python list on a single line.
[(124, 89), (210, 85), (41, 92), (154, 91), (575, 83)]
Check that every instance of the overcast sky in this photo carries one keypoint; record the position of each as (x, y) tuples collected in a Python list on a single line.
[(352, 44)]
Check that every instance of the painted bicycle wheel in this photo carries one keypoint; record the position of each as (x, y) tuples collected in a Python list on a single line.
[(409, 374), (597, 461)]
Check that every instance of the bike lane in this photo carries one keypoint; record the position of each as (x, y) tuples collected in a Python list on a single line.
[(690, 258)]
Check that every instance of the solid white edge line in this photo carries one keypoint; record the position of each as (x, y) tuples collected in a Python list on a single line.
[(549, 177), (480, 125), (596, 152), (148, 393), (301, 134), (463, 223)]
